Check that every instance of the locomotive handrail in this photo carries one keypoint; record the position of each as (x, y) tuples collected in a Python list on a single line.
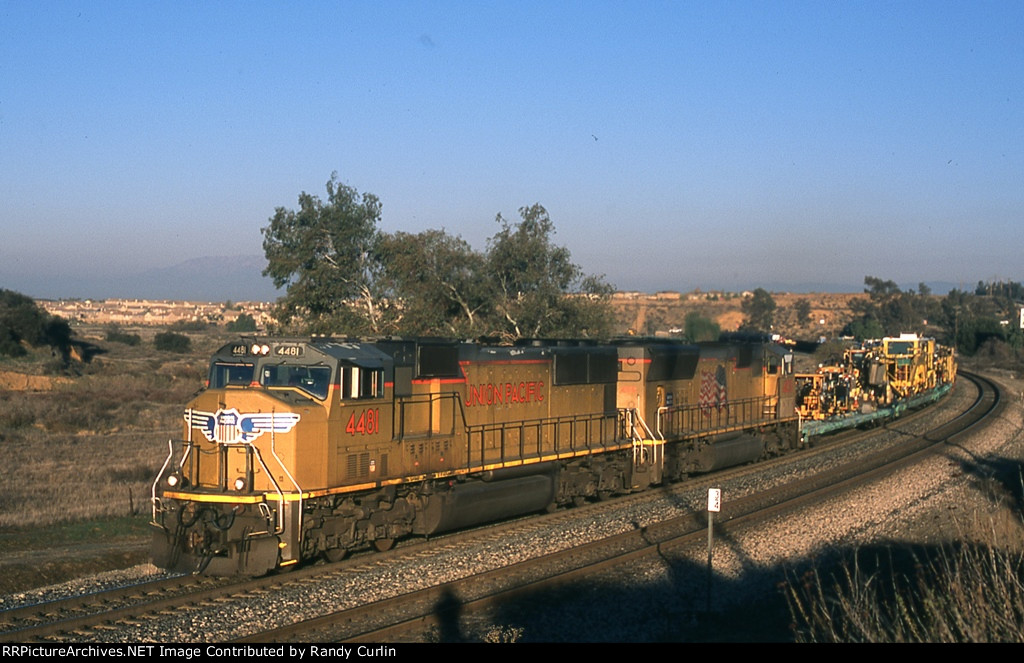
[(694, 418), (632, 415), (154, 500), (530, 434), (646, 438), (280, 493)]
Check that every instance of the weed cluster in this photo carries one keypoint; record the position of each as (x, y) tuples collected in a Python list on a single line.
[(953, 593)]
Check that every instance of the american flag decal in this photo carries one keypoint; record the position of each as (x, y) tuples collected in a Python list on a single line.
[(712, 389)]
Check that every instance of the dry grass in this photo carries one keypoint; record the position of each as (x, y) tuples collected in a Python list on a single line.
[(89, 449), (65, 478), (955, 594), (971, 590)]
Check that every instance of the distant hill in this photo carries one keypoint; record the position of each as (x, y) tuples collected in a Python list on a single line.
[(236, 278), (213, 278)]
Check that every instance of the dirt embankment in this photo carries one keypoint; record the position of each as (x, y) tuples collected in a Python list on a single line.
[(22, 382), (647, 315)]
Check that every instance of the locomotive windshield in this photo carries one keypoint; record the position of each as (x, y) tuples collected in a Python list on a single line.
[(224, 374), (314, 380)]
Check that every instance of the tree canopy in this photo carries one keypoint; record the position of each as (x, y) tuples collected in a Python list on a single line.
[(985, 320), (325, 253), (760, 311), (699, 328), (533, 275), (889, 310), (438, 278), (243, 323), (345, 276)]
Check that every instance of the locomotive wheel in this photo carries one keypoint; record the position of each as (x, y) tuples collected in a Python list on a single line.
[(383, 545), (335, 554)]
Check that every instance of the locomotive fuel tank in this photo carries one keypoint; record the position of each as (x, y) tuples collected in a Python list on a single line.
[(475, 502)]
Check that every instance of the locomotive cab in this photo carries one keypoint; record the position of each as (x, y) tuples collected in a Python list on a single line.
[(230, 496)]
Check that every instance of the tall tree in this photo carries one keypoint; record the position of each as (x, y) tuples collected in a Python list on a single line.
[(760, 311), (325, 253), (345, 276), (888, 310), (802, 307), (539, 290), (699, 328)]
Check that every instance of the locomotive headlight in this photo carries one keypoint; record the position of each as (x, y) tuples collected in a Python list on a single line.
[(240, 484), (173, 480), (265, 349), (255, 348)]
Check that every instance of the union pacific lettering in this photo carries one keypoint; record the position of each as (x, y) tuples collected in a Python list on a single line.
[(505, 393)]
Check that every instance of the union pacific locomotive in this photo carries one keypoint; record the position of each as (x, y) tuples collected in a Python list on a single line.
[(306, 448)]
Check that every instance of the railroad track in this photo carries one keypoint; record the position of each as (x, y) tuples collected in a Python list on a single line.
[(440, 606)]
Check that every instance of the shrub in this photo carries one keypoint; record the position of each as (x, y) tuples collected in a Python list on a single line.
[(172, 342), (22, 321), (243, 323), (115, 335), (191, 325)]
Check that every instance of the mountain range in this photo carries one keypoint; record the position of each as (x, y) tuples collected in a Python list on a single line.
[(212, 279)]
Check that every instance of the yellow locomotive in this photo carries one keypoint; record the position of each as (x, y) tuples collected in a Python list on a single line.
[(300, 448)]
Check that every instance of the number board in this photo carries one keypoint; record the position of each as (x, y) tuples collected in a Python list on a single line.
[(714, 499)]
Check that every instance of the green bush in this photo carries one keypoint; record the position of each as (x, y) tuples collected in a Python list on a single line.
[(243, 323), (115, 335), (172, 342), (22, 321)]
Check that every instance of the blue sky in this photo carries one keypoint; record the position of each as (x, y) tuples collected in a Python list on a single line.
[(676, 145)]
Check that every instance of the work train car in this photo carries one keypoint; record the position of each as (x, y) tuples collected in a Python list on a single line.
[(876, 380), (300, 448)]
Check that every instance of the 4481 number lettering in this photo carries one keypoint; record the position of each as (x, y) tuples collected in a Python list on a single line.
[(366, 423)]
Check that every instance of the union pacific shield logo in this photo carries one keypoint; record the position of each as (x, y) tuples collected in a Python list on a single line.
[(231, 427)]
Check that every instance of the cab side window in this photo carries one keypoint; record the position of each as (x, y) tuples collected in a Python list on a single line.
[(359, 382)]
